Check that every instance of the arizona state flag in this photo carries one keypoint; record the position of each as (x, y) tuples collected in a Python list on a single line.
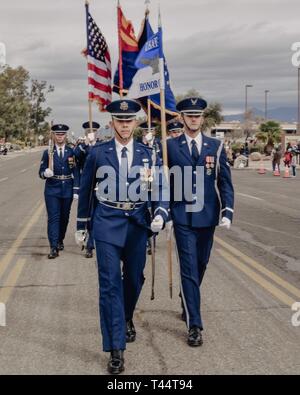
[(128, 52)]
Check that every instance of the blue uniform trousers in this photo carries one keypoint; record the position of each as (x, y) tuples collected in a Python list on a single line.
[(120, 289), (91, 242), (58, 210), (194, 247)]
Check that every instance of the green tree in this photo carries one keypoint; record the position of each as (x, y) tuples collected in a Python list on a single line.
[(38, 96), (270, 133), (213, 115), (189, 93), (14, 102), (22, 104)]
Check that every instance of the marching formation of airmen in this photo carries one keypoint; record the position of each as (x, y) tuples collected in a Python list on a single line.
[(119, 226)]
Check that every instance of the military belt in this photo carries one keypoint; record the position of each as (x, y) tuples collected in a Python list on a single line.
[(126, 206), (63, 177)]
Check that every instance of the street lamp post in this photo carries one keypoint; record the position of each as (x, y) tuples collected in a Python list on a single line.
[(298, 123), (246, 109), (266, 104), (246, 99)]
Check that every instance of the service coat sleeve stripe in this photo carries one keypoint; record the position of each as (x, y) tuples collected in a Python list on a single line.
[(162, 209), (228, 209)]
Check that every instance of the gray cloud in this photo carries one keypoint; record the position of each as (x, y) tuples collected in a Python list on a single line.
[(212, 45)]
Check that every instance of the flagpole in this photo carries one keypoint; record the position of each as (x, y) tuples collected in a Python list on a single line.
[(121, 82), (165, 150), (147, 2), (149, 115), (163, 110), (90, 101), (147, 12)]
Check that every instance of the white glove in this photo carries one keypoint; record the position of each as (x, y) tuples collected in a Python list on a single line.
[(225, 223), (48, 173), (149, 137), (157, 224), (91, 137), (81, 237), (75, 196), (169, 229)]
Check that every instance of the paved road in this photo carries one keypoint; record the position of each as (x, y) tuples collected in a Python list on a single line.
[(252, 281)]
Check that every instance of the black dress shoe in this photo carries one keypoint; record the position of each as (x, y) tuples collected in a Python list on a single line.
[(89, 254), (53, 253), (61, 246), (130, 332), (116, 362), (195, 337)]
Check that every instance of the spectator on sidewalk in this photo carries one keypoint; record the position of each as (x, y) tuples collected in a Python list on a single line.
[(276, 159), (294, 164), (295, 153), (288, 155)]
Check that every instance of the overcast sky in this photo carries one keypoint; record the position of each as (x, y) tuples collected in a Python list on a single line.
[(214, 46)]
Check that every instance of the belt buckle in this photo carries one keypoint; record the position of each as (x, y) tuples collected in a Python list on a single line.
[(127, 206)]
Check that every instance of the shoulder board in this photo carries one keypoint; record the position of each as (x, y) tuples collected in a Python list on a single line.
[(98, 146), (214, 141), (141, 145)]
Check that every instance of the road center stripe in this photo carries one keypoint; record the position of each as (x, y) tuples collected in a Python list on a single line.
[(278, 280), (11, 281), (8, 257), (281, 296), (250, 197)]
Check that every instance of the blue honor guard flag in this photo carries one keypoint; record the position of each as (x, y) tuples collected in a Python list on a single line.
[(145, 84), (147, 80)]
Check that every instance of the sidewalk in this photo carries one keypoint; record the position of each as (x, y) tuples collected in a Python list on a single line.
[(255, 165)]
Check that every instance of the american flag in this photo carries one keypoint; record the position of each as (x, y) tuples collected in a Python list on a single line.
[(99, 65)]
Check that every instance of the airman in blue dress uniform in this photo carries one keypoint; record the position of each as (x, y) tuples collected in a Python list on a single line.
[(81, 153), (149, 138), (62, 182), (121, 225), (175, 129), (194, 229)]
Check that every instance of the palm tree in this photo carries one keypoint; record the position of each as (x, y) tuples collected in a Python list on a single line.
[(270, 133)]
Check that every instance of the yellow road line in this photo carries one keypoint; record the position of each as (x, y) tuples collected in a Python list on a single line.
[(11, 281), (278, 280), (8, 257), (281, 296)]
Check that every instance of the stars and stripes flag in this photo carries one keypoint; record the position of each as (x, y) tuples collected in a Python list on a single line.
[(99, 64)]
